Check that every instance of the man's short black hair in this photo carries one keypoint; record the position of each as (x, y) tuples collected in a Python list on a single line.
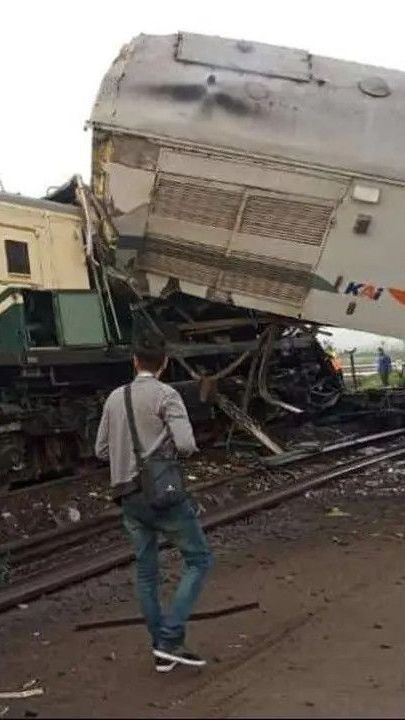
[(150, 350)]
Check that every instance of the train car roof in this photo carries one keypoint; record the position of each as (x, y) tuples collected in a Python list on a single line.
[(40, 203), (257, 99)]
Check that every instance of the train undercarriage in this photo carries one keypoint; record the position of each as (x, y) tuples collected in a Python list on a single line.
[(51, 398)]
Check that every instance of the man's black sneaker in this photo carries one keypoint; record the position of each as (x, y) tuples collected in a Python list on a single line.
[(179, 655), (164, 666)]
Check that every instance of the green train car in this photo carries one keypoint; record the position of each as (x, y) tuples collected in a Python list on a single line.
[(58, 356)]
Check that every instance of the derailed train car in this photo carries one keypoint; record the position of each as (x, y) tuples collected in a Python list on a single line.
[(259, 176)]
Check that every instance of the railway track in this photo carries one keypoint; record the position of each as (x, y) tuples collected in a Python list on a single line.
[(23, 554), (25, 488), (44, 544)]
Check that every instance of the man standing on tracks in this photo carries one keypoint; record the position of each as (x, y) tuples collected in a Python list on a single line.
[(384, 366), (161, 424)]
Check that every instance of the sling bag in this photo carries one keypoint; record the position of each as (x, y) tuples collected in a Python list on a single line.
[(161, 479)]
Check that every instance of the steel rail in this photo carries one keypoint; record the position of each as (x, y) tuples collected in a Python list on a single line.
[(22, 487), (26, 591), (291, 456), (44, 543)]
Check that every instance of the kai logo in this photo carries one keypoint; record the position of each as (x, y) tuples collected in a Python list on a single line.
[(373, 292), (364, 290)]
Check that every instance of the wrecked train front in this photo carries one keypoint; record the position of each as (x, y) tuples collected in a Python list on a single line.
[(256, 175)]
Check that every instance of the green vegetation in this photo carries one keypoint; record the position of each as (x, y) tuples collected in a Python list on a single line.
[(363, 357), (367, 382)]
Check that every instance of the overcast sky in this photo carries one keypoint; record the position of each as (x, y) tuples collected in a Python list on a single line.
[(53, 55)]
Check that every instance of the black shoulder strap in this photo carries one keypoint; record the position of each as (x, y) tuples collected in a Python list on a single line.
[(131, 422)]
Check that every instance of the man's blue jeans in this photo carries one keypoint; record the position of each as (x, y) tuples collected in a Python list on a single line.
[(180, 526)]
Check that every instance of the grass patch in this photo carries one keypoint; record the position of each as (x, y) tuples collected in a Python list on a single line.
[(370, 382)]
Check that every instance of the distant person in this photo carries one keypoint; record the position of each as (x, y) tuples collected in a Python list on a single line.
[(384, 366), (336, 363), (161, 425), (338, 366)]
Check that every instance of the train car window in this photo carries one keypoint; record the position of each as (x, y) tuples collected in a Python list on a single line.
[(18, 261)]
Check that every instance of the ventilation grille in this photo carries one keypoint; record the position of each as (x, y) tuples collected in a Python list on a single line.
[(263, 287), (269, 277), (225, 269), (272, 216), (196, 203), (283, 219)]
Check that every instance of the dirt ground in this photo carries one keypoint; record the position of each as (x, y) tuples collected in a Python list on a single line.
[(327, 641)]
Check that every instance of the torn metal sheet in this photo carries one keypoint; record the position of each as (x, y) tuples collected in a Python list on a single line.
[(244, 421)]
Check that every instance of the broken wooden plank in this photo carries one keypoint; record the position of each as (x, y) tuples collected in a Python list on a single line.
[(140, 620)]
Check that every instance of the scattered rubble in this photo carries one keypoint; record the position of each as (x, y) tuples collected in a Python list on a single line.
[(21, 694), (336, 512)]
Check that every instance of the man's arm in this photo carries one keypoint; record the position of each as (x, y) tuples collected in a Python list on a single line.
[(175, 416), (102, 446)]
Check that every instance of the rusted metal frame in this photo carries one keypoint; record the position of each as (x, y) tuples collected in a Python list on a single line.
[(85, 196), (246, 397), (236, 414), (245, 421), (106, 283), (222, 374), (105, 217), (120, 556), (101, 300), (264, 393), (92, 262), (81, 197)]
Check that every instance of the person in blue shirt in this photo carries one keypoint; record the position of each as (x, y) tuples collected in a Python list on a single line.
[(384, 366)]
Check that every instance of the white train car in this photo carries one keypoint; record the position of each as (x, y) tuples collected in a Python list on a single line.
[(257, 175)]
